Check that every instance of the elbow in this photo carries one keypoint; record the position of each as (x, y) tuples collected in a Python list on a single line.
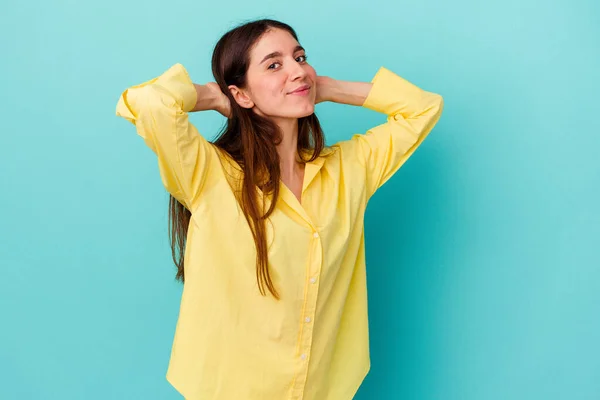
[(433, 113), (124, 110), (437, 107), (439, 104)]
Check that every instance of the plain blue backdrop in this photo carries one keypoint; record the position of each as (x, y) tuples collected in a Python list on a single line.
[(482, 252)]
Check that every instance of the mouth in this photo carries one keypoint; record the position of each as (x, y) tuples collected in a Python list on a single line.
[(302, 90)]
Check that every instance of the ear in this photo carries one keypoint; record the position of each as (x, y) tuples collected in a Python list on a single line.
[(241, 97)]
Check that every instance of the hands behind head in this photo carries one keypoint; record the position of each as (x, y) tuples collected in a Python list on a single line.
[(325, 86), (221, 103)]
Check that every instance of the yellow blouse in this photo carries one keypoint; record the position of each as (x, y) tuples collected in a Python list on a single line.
[(230, 342)]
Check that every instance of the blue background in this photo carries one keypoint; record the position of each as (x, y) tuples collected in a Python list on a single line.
[(483, 259)]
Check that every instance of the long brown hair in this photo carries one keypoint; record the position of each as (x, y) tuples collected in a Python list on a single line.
[(251, 141)]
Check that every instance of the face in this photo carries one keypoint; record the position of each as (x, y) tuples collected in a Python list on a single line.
[(280, 82)]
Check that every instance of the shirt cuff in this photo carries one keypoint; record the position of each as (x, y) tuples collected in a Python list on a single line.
[(177, 81)]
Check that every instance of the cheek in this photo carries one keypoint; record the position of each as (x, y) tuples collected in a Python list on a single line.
[(272, 92), (269, 88), (312, 73)]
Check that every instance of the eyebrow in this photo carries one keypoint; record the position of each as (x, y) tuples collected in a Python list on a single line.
[(278, 54)]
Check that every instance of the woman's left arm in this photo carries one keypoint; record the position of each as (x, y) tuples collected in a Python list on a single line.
[(411, 114)]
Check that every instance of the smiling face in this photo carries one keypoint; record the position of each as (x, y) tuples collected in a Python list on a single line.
[(280, 83)]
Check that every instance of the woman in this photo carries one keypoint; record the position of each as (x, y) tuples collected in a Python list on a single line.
[(267, 222)]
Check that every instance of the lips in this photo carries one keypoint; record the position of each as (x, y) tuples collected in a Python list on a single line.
[(301, 89)]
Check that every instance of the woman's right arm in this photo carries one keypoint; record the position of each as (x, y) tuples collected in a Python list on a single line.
[(159, 110)]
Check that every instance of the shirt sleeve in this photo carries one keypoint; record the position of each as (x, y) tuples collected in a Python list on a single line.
[(159, 110), (411, 115)]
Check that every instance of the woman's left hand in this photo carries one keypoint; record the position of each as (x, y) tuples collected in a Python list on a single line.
[(343, 92), (325, 86)]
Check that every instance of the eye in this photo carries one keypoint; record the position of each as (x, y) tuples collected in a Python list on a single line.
[(301, 58), (270, 66)]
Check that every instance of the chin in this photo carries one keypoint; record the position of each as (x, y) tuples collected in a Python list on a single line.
[(303, 115), (292, 112), (309, 110)]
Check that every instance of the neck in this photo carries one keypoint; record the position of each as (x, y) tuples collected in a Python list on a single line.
[(288, 148)]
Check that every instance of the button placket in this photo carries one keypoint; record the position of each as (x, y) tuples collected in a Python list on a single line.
[(313, 271)]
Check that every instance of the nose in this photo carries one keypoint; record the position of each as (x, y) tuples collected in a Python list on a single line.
[(297, 71)]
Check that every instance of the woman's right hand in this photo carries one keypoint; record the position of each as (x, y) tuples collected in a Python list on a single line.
[(210, 97), (221, 101)]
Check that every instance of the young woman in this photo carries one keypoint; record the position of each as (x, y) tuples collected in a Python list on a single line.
[(266, 222)]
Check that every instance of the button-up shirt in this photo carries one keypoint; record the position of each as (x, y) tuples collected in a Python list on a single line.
[(231, 342)]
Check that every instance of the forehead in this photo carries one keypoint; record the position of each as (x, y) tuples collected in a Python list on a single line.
[(271, 41)]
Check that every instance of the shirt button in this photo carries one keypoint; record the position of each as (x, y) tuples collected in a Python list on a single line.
[(307, 319), (303, 356), (313, 280), (316, 235)]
